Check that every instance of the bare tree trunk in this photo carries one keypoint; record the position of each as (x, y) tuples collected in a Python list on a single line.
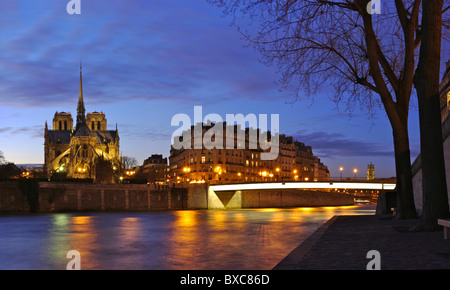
[(405, 199), (398, 116), (426, 81)]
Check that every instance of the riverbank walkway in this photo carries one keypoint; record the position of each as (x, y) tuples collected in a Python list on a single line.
[(343, 242)]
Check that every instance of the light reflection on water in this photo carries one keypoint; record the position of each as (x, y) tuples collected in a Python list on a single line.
[(189, 239)]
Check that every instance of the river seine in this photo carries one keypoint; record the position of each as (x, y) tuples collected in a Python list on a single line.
[(253, 239)]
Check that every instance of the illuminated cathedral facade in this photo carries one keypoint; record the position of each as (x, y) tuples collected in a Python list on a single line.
[(77, 150)]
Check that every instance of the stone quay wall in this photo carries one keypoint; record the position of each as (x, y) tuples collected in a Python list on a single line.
[(45, 197), (64, 197), (12, 199)]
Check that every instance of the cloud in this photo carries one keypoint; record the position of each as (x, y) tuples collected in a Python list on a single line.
[(333, 145), (5, 129), (178, 52), (136, 131), (36, 131)]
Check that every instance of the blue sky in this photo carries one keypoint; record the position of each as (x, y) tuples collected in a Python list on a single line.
[(144, 62)]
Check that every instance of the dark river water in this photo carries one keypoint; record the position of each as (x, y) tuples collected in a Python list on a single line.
[(254, 239)]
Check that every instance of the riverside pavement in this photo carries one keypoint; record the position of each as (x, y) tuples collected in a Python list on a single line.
[(343, 242)]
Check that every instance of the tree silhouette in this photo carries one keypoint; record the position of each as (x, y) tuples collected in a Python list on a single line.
[(104, 172), (367, 59)]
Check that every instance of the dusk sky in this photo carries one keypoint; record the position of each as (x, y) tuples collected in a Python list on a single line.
[(144, 62)]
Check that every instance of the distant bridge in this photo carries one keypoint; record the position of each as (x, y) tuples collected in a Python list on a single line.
[(287, 194)]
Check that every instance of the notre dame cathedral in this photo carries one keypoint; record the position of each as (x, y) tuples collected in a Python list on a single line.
[(77, 151)]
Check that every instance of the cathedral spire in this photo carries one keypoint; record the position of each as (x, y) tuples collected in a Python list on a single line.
[(81, 118), (46, 129)]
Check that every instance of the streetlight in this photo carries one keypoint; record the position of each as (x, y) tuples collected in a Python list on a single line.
[(341, 169), (186, 171), (355, 171)]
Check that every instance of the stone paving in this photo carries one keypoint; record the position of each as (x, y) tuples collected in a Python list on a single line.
[(343, 242)]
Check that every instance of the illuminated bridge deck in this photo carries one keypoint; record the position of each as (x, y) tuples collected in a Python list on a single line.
[(304, 185)]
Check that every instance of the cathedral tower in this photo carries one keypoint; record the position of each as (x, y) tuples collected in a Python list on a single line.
[(62, 122)]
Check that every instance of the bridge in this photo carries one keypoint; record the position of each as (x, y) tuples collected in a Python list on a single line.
[(304, 185), (289, 194)]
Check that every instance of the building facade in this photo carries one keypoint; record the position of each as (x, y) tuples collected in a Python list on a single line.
[(243, 163), (76, 151), (154, 169)]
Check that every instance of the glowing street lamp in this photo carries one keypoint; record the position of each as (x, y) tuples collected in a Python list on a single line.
[(277, 170), (355, 171), (341, 169)]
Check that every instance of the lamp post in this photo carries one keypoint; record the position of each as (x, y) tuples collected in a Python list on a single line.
[(355, 171), (341, 169)]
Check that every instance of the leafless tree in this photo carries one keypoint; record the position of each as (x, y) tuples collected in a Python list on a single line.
[(368, 60), (129, 162), (2, 158)]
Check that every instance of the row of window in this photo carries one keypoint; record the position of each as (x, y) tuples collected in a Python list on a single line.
[(61, 127), (93, 125), (252, 163)]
